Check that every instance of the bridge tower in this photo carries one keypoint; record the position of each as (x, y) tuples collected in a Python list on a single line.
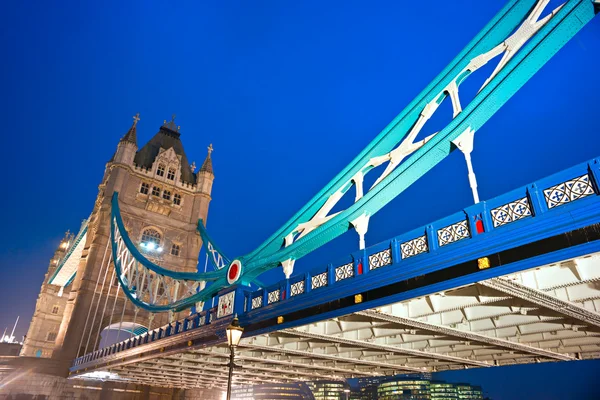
[(162, 197), (49, 308)]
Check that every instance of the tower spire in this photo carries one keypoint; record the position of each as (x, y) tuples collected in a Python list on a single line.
[(131, 135), (207, 164)]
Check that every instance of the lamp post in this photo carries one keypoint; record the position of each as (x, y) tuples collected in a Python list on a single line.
[(347, 391), (234, 334)]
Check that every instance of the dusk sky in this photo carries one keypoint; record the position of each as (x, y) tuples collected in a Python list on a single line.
[(288, 93)]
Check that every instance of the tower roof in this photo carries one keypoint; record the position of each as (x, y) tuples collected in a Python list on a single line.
[(131, 135), (207, 164), (166, 137)]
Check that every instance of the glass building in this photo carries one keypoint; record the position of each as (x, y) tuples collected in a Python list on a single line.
[(443, 391), (330, 390), (275, 391), (469, 392), (404, 389)]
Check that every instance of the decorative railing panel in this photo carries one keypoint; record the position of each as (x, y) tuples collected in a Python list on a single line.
[(273, 297), (413, 247), (453, 233), (257, 302), (319, 280), (380, 259), (571, 190), (344, 272), (296, 288), (511, 212)]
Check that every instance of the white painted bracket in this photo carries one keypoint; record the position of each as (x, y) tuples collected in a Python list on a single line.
[(361, 225), (465, 144), (288, 267), (200, 304), (60, 291)]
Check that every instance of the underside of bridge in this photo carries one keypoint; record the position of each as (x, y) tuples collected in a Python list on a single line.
[(549, 313)]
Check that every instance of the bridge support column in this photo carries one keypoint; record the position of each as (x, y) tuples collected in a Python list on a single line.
[(465, 144)]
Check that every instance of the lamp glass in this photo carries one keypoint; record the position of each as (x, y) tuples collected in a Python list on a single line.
[(234, 335)]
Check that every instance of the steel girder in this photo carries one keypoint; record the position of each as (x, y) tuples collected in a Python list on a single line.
[(518, 33)]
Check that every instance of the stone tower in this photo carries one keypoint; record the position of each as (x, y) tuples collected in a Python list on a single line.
[(49, 308), (161, 198)]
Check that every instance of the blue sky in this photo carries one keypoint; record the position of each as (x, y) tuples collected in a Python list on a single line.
[(287, 92)]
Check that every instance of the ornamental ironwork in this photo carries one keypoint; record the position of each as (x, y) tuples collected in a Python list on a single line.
[(511, 212), (319, 280), (273, 297), (453, 233), (568, 191), (380, 259), (257, 302), (297, 288), (413, 247), (344, 272)]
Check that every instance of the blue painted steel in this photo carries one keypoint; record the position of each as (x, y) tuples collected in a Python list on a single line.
[(543, 223), (573, 15)]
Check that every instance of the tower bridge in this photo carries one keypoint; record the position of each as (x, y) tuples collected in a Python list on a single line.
[(521, 287), (508, 280)]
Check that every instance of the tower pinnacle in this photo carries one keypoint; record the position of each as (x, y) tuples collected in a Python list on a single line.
[(131, 135), (207, 164)]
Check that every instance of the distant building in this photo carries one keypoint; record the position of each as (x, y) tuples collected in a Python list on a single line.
[(413, 387), (10, 349), (443, 391), (469, 392), (275, 391), (404, 389), (330, 390)]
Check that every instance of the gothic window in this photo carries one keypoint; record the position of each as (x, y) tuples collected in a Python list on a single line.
[(55, 309), (167, 195), (171, 174), (177, 199), (155, 191), (161, 170), (151, 236), (175, 250), (51, 336), (145, 188)]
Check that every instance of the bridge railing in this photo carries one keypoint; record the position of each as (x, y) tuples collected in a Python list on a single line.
[(193, 321), (508, 210), (511, 210)]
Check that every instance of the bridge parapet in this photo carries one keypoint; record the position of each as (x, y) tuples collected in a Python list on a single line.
[(474, 223)]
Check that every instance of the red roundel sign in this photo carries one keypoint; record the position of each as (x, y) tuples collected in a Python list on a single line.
[(234, 271)]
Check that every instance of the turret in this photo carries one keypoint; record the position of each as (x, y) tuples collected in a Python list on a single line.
[(206, 176), (127, 145)]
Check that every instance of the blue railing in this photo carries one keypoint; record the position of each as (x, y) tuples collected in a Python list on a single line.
[(511, 209)]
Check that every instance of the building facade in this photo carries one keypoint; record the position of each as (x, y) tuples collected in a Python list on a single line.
[(330, 390), (275, 391), (161, 198)]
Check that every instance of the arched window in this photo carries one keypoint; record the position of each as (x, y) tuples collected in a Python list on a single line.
[(175, 249), (161, 170), (155, 191), (151, 236), (145, 188), (171, 174), (167, 195)]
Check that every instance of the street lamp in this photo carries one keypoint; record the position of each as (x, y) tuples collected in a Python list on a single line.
[(347, 391), (234, 334)]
